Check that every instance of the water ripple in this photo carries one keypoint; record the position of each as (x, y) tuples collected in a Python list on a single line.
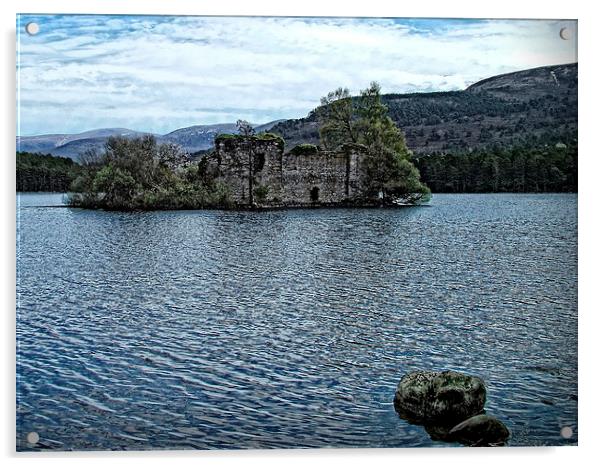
[(290, 328)]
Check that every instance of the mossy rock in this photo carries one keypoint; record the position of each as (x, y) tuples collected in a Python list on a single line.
[(482, 430), (440, 398)]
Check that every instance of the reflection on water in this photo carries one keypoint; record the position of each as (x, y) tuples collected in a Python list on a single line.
[(214, 329)]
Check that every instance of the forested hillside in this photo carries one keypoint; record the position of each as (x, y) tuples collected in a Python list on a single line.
[(37, 172), (528, 109)]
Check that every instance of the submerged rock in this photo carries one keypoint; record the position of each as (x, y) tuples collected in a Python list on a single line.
[(480, 431), (439, 398)]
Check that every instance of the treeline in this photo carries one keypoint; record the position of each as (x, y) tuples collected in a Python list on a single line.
[(522, 170), (38, 172)]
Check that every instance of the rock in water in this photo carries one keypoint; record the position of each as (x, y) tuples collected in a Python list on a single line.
[(442, 398), (480, 431)]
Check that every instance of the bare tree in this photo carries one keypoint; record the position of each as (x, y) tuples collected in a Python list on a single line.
[(171, 155), (245, 128)]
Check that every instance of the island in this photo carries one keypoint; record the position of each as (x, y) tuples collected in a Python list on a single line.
[(362, 161)]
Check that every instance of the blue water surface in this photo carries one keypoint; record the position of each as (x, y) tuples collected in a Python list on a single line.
[(216, 329)]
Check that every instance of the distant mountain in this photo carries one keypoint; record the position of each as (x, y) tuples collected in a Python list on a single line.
[(531, 107), (63, 144), (44, 143), (100, 133), (530, 84), (192, 139), (199, 137), (267, 126)]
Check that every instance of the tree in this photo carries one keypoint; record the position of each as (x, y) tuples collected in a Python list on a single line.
[(171, 155), (245, 128), (390, 176), (337, 119), (138, 173), (117, 185), (376, 128), (516, 169)]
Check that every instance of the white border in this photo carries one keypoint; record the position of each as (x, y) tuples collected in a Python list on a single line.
[(590, 81)]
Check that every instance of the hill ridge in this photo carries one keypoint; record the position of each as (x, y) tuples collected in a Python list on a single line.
[(523, 107)]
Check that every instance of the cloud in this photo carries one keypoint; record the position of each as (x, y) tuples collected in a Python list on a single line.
[(159, 73)]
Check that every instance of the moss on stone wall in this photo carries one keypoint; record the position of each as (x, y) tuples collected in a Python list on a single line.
[(225, 137), (261, 193), (304, 149)]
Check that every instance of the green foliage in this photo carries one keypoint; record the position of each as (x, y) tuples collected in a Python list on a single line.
[(390, 177), (393, 178), (521, 169), (304, 149), (118, 185), (139, 174), (336, 115), (268, 137), (376, 128), (37, 172), (226, 137), (261, 193)]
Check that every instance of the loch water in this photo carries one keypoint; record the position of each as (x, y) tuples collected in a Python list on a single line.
[(290, 328)]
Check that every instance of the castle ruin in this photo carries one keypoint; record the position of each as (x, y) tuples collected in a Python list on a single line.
[(258, 173)]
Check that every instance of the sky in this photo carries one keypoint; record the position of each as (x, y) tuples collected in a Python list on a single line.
[(161, 73)]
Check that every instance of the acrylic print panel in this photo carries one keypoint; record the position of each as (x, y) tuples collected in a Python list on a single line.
[(255, 232)]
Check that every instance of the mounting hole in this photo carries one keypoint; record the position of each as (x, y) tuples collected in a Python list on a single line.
[(566, 432), (32, 28), (566, 34), (33, 438)]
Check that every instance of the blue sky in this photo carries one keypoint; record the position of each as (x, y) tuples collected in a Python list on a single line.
[(160, 73)]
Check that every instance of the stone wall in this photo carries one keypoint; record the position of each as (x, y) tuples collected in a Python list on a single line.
[(259, 173)]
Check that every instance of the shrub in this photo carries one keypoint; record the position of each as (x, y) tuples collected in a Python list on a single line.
[(261, 192), (224, 136)]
